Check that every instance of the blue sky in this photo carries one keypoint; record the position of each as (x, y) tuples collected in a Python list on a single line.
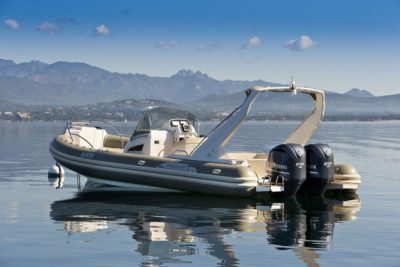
[(331, 45)]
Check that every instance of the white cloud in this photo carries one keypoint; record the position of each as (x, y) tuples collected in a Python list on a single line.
[(167, 45), (48, 27), (253, 42), (302, 43), (102, 30), (12, 24)]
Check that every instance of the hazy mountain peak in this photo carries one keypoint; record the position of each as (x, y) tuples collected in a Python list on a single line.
[(189, 73), (6, 62), (359, 92), (34, 65), (184, 73), (21, 70), (74, 65), (199, 74), (62, 72)]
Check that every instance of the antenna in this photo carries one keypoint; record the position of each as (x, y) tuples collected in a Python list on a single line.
[(293, 86)]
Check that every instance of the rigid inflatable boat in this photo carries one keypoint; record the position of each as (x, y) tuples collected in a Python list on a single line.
[(166, 151)]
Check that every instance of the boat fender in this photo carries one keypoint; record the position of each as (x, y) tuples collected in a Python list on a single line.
[(56, 175), (286, 164), (56, 171), (319, 170)]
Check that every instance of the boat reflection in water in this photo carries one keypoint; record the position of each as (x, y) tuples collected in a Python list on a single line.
[(170, 225)]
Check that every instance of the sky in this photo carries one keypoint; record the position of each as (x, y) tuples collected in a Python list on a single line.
[(329, 45)]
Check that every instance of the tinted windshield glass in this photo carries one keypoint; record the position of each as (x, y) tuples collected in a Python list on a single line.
[(155, 118), (158, 116), (143, 126)]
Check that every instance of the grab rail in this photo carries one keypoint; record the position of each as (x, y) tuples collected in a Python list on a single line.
[(68, 123), (83, 139), (112, 127), (71, 134)]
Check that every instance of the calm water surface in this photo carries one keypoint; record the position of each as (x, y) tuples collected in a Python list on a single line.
[(44, 226)]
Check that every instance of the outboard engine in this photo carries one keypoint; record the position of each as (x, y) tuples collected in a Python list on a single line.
[(320, 168), (286, 164)]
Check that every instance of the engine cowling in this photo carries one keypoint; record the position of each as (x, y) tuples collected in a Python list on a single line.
[(320, 168), (286, 162)]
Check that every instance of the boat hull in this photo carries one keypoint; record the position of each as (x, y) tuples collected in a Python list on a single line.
[(177, 174)]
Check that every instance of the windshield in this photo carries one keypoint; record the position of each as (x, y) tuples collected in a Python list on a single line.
[(155, 118)]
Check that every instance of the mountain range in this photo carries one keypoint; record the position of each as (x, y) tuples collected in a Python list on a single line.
[(69, 83), (272, 103), (359, 92), (33, 84)]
